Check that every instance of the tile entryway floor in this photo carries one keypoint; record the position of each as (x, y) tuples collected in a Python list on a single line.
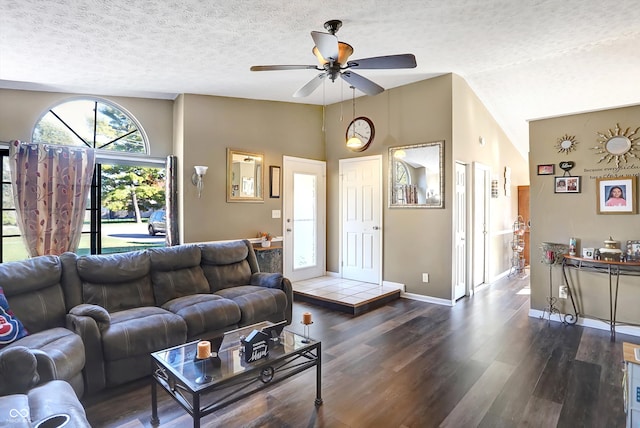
[(345, 295)]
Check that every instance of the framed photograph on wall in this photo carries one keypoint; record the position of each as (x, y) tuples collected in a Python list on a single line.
[(633, 251), (567, 184), (546, 169), (274, 181), (616, 195)]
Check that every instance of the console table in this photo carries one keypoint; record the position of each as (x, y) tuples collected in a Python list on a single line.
[(612, 269), (269, 258)]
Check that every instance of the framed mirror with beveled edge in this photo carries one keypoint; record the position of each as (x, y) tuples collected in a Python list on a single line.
[(416, 176), (245, 171)]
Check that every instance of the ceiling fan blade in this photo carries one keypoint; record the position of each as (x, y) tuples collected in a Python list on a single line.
[(361, 83), (310, 87), (282, 67), (327, 44), (383, 62)]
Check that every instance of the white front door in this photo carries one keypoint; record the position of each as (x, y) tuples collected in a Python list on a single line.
[(304, 224), (481, 198), (460, 233), (361, 214)]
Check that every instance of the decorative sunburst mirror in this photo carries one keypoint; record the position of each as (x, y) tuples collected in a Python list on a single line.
[(566, 144), (618, 145)]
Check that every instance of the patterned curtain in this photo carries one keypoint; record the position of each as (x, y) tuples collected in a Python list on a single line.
[(51, 185)]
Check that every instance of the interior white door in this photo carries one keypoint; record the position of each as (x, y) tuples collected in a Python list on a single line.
[(361, 218), (481, 199), (460, 233), (304, 223)]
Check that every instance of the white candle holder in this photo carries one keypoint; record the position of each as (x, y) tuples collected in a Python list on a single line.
[(204, 377), (306, 332)]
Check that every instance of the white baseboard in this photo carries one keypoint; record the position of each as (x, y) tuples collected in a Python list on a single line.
[(332, 274), (428, 299), (394, 285), (589, 322)]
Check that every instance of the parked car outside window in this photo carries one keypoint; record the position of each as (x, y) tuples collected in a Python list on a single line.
[(157, 223)]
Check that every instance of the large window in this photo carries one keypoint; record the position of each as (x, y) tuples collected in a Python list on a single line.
[(127, 187)]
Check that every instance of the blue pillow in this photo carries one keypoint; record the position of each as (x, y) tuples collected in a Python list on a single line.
[(11, 328)]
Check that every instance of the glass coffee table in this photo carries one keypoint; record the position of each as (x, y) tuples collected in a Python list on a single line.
[(203, 386)]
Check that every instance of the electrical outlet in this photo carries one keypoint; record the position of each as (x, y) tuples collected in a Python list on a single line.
[(562, 292), (425, 277)]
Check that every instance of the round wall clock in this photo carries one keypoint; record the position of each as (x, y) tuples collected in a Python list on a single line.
[(362, 128), (566, 144), (618, 145)]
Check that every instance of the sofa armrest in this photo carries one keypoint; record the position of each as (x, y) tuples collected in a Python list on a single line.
[(275, 280), (18, 370), (95, 312), (88, 321), (265, 279)]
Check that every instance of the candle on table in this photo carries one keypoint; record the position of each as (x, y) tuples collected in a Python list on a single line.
[(306, 318), (204, 350)]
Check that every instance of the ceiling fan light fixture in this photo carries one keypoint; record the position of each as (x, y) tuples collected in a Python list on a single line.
[(354, 143), (344, 52)]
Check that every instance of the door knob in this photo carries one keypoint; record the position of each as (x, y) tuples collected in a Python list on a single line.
[(376, 228)]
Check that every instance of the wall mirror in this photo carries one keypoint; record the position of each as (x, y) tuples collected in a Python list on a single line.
[(416, 176), (245, 176)]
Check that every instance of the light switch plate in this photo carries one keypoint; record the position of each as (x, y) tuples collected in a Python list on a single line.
[(275, 213)]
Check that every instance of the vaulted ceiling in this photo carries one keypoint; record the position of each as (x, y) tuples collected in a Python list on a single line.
[(525, 59)]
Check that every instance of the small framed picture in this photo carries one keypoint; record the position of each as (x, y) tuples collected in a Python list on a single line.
[(633, 251), (587, 253), (274, 181), (568, 184), (546, 169), (616, 195)]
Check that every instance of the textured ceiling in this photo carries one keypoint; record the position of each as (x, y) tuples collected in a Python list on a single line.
[(525, 59)]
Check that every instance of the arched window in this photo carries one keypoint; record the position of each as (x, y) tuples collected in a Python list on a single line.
[(401, 173), (128, 185), (90, 122)]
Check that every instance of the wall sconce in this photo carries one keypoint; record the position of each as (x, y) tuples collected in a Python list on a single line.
[(196, 177)]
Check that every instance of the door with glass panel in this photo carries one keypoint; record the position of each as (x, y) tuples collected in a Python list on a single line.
[(304, 222)]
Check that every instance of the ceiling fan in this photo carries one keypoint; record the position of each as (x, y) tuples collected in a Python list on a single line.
[(333, 58)]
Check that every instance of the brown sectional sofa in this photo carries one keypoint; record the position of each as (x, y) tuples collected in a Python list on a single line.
[(93, 320)]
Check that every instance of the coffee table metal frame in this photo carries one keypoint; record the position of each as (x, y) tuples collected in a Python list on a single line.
[(232, 379)]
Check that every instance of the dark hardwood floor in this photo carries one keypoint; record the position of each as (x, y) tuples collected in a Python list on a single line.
[(482, 363)]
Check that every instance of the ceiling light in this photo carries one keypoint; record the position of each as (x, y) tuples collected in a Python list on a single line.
[(344, 52), (354, 142)]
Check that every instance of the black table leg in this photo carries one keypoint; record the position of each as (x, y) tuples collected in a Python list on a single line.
[(196, 410), (318, 401), (154, 402)]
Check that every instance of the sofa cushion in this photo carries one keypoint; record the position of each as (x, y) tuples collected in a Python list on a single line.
[(116, 281), (257, 303), (33, 290), (176, 272), (64, 348), (204, 312), (140, 331), (11, 329), (226, 264)]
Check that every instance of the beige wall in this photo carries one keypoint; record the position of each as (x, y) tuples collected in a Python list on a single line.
[(472, 120), (199, 129), (211, 125), (19, 111), (557, 217), (420, 240)]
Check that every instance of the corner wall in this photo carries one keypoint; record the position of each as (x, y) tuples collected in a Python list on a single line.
[(420, 240), (213, 124), (556, 217), (472, 120)]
